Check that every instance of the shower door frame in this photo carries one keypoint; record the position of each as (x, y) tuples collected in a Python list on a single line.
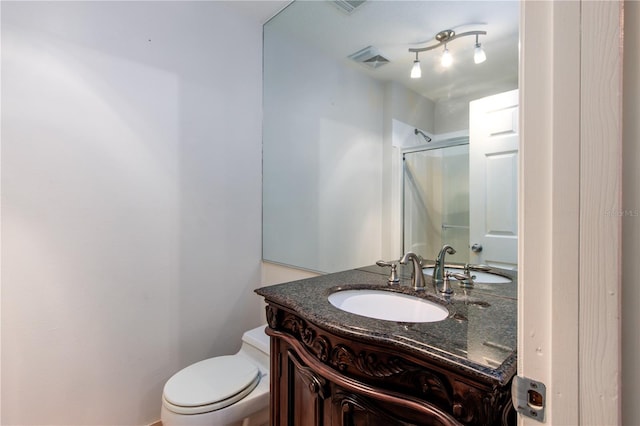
[(449, 142)]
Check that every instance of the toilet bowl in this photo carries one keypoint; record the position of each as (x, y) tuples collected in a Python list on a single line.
[(230, 390)]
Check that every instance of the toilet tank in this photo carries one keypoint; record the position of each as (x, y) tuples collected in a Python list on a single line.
[(256, 344)]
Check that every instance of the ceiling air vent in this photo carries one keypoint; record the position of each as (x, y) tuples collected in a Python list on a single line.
[(348, 6), (370, 57)]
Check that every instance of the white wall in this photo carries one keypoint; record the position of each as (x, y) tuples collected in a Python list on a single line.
[(631, 221), (408, 107), (451, 115), (130, 202), (273, 273), (322, 156)]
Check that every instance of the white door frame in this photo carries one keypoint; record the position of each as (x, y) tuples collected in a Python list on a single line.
[(570, 175)]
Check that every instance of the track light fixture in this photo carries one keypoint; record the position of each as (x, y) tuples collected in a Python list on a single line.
[(446, 60), (416, 72), (478, 53), (443, 38)]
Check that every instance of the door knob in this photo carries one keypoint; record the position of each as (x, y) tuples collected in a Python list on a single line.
[(476, 248)]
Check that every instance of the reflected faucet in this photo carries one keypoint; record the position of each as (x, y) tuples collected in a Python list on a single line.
[(417, 277), (438, 271)]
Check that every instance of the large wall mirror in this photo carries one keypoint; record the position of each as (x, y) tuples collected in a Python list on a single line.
[(362, 162)]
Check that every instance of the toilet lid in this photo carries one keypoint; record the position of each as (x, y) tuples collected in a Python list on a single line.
[(219, 381)]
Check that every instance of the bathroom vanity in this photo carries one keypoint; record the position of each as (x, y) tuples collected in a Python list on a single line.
[(332, 367)]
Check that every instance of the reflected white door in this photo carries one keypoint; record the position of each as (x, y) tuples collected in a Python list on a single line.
[(493, 175)]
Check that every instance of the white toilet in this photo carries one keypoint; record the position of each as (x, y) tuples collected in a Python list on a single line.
[(231, 390)]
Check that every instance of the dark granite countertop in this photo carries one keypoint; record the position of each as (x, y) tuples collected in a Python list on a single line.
[(478, 337)]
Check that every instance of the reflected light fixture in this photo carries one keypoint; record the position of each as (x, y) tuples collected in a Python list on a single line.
[(443, 38), (446, 60), (478, 53), (416, 72)]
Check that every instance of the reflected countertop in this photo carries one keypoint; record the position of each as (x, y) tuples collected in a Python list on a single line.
[(478, 338)]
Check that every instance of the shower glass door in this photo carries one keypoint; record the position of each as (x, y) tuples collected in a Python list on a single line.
[(436, 200)]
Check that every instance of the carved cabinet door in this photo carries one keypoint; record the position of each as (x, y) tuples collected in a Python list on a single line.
[(302, 394), (351, 409)]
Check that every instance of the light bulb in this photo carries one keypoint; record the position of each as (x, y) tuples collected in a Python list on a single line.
[(446, 59), (416, 72), (478, 54)]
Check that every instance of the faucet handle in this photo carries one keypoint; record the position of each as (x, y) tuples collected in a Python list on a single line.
[(458, 276), (466, 279), (446, 288), (393, 277), (472, 267)]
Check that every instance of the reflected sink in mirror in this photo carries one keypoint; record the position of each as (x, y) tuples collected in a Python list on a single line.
[(389, 306), (481, 276)]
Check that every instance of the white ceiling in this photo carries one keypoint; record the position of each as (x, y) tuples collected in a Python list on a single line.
[(258, 10), (395, 26)]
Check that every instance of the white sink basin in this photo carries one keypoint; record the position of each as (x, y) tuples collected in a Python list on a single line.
[(386, 305), (481, 276)]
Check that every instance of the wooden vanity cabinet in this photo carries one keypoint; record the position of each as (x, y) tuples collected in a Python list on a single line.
[(301, 396), (319, 378)]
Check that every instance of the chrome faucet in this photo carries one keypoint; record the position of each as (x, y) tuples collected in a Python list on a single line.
[(393, 276), (438, 270), (417, 277), (464, 278)]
